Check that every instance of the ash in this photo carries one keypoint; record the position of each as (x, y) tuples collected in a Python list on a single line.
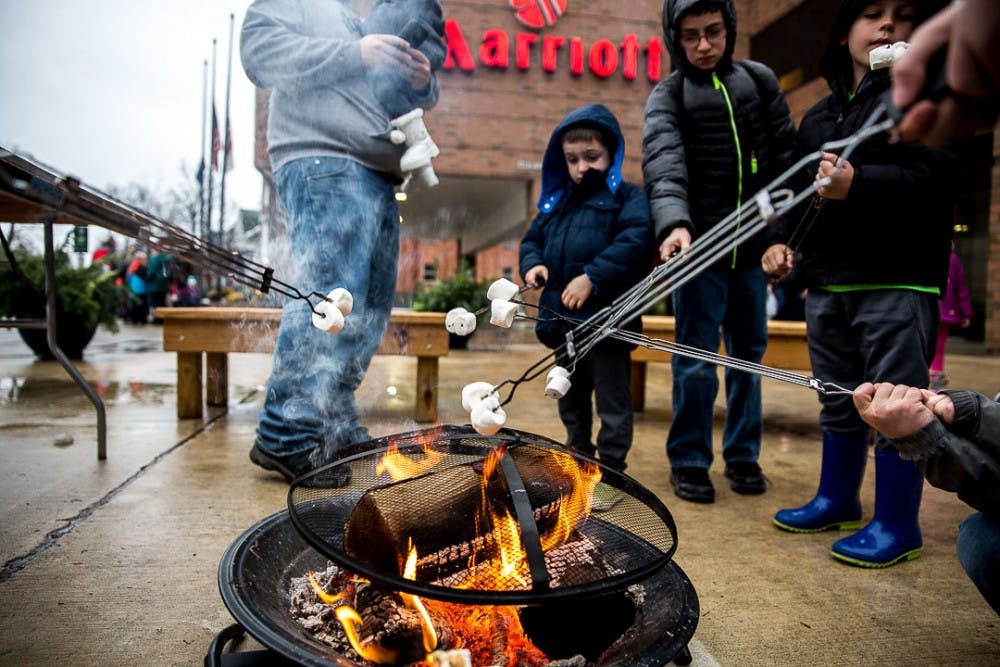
[(386, 620)]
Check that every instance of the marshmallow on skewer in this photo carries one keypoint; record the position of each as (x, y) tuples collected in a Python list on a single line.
[(460, 321), (502, 289), (474, 393), (502, 313), (342, 299), (328, 317), (488, 417), (884, 56), (557, 382)]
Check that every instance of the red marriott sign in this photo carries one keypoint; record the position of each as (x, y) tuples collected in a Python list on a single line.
[(538, 13), (602, 57)]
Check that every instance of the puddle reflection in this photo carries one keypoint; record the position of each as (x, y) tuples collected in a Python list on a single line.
[(16, 390)]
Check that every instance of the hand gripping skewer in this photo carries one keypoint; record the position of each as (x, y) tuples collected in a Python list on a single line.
[(770, 203)]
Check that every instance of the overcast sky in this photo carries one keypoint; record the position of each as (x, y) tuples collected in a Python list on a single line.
[(111, 90)]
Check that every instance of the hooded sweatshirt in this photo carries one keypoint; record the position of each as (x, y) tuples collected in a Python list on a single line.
[(322, 104), (894, 227), (711, 139), (599, 227)]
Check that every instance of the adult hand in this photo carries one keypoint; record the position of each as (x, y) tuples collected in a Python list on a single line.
[(778, 260), (536, 272), (893, 410), (577, 292), (940, 404), (971, 32), (390, 51), (840, 177), (677, 241)]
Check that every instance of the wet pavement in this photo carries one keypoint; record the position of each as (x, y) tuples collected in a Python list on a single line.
[(114, 562)]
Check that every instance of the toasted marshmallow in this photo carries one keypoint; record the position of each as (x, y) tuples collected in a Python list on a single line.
[(342, 299), (474, 393), (328, 317), (488, 417), (884, 56), (502, 313), (502, 289), (557, 387)]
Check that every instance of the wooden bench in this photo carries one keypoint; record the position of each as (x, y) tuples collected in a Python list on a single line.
[(212, 333), (786, 349)]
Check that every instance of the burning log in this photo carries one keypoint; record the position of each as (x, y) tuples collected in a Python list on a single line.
[(447, 513)]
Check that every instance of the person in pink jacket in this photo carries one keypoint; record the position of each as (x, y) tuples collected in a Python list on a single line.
[(956, 309)]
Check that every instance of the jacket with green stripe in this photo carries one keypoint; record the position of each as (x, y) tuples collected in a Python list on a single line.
[(712, 139)]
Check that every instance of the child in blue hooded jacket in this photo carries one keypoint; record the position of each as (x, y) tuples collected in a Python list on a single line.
[(590, 242)]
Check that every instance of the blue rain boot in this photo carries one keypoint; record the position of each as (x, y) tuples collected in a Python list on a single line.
[(893, 535), (837, 504)]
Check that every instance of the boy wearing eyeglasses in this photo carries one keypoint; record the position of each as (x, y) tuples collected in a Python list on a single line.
[(716, 131)]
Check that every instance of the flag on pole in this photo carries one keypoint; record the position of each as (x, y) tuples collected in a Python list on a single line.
[(228, 166), (199, 176), (216, 141)]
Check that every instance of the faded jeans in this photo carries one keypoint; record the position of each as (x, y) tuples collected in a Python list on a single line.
[(344, 225), (979, 552), (733, 299)]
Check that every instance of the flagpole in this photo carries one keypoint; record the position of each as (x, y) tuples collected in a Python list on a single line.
[(200, 231), (226, 147), (211, 160)]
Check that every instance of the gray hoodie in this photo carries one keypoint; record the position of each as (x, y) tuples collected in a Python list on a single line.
[(307, 53)]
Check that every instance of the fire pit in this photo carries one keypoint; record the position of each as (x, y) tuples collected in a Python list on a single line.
[(430, 513)]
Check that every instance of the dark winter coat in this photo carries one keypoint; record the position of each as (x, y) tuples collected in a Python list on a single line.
[(599, 227), (894, 227), (964, 456), (696, 169)]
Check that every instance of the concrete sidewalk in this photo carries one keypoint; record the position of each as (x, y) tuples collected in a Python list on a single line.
[(114, 562)]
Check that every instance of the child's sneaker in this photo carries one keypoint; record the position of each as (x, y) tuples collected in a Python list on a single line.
[(606, 497)]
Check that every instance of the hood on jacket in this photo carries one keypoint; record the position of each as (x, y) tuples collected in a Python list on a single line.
[(674, 11), (555, 174), (836, 64)]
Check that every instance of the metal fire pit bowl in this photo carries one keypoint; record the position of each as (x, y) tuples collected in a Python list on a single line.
[(356, 514), (255, 577)]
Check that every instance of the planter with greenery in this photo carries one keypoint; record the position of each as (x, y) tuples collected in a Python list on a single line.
[(460, 290), (85, 298)]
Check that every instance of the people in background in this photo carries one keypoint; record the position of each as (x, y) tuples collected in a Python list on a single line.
[(956, 311), (137, 305), (589, 243), (716, 131), (874, 257), (335, 168)]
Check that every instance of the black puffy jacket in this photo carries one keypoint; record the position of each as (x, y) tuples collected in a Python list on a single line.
[(697, 169)]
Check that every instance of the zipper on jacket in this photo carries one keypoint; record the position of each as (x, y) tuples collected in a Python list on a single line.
[(739, 158)]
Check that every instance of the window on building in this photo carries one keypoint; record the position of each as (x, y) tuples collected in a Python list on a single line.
[(430, 272)]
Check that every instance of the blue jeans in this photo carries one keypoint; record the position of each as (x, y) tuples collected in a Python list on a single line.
[(344, 225), (979, 553), (735, 300)]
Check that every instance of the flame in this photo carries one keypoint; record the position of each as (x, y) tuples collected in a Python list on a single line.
[(401, 467), (413, 602), (350, 620), (323, 595), (574, 507)]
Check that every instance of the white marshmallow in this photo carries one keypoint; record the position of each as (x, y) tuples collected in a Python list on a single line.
[(465, 324), (502, 313), (557, 387), (486, 419), (452, 318), (342, 299), (502, 289), (557, 371), (884, 56), (474, 393), (328, 317)]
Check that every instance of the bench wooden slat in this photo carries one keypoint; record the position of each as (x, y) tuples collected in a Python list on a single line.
[(213, 332), (786, 349)]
